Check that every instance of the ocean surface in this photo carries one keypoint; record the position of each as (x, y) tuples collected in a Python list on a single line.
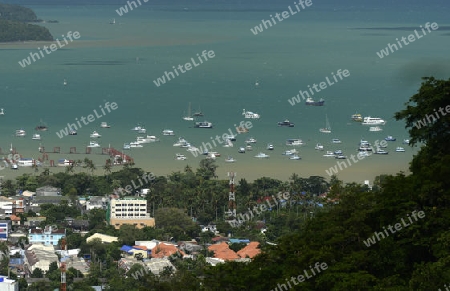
[(118, 63)]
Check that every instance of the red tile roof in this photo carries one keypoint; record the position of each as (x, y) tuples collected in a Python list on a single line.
[(222, 251), (251, 250), (164, 250)]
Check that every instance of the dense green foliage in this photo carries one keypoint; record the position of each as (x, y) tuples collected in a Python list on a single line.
[(415, 257), (13, 26)]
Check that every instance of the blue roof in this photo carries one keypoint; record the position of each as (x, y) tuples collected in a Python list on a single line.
[(16, 261), (126, 248)]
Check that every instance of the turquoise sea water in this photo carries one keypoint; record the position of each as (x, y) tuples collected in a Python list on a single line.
[(118, 63)]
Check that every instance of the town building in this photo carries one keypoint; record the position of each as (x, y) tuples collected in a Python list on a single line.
[(129, 210), (8, 284), (5, 229)]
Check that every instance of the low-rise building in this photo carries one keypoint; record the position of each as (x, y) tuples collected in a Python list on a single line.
[(8, 284), (48, 191), (5, 229), (50, 235), (39, 256), (103, 238), (129, 210)]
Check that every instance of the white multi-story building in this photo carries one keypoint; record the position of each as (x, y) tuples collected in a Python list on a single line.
[(129, 210)]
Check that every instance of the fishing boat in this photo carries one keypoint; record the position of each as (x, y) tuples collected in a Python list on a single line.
[(20, 132), (189, 116), (327, 128), (310, 101), (93, 144), (36, 136), (357, 117), (250, 115), (104, 125), (168, 132), (95, 134)]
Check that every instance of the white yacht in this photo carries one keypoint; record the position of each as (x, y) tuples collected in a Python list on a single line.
[(135, 144), (294, 157), (95, 135), (189, 116), (231, 137), (336, 140), (405, 141), (319, 147), (250, 140), (228, 144), (270, 147), (241, 150), (137, 128), (373, 121), (20, 132), (290, 152), (104, 125), (142, 130), (36, 136), (180, 157), (327, 128), (93, 144), (230, 160), (168, 132), (250, 115), (399, 149), (181, 143), (375, 128), (381, 152), (329, 154), (126, 146), (262, 155), (203, 124), (147, 139), (248, 148), (294, 142)]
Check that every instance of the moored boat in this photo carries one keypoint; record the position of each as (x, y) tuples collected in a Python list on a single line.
[(168, 132), (203, 124), (373, 121), (93, 144), (95, 135), (250, 115), (36, 136), (357, 117), (20, 132), (310, 101), (262, 155)]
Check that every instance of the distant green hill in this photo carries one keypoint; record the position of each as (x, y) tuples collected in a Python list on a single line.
[(14, 26)]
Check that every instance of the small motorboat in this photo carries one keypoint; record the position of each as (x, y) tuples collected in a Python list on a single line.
[(399, 149), (168, 132), (126, 146), (136, 144), (338, 152), (286, 123), (72, 132), (21, 132), (250, 140), (36, 136), (336, 140), (390, 138), (180, 157), (290, 152), (93, 144), (104, 125), (270, 147), (230, 160), (95, 134), (262, 155), (340, 157), (375, 128), (319, 147), (295, 157), (329, 154), (241, 150), (406, 141), (381, 152)]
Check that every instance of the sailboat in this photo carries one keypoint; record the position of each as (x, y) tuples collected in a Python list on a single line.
[(113, 22), (198, 113), (327, 128), (189, 116)]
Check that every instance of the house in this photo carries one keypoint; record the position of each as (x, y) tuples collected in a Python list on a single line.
[(15, 220), (129, 210), (78, 224), (39, 256), (163, 250), (5, 229), (96, 202), (50, 235), (6, 205), (48, 191)]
